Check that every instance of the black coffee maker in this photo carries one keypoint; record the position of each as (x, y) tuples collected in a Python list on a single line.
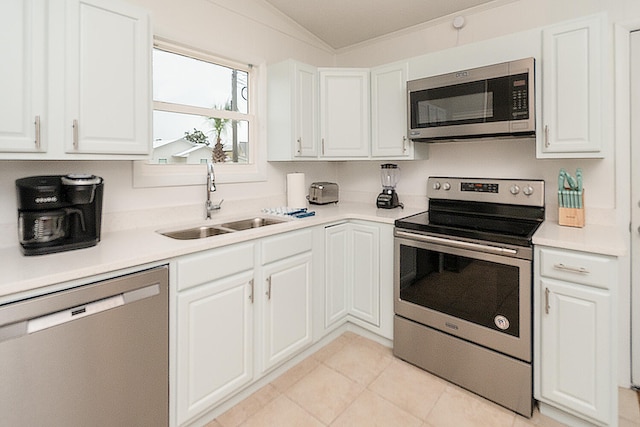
[(59, 212)]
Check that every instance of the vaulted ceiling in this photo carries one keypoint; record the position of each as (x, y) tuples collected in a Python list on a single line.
[(342, 23)]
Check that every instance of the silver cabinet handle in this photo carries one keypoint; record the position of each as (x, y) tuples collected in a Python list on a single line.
[(546, 136), (268, 293), (37, 124), (299, 145), (251, 292), (546, 300), (404, 144), (75, 134), (323, 146), (561, 266)]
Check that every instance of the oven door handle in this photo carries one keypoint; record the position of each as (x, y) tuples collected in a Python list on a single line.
[(458, 243)]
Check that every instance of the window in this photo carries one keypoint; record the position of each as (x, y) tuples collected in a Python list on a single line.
[(201, 108), (198, 98)]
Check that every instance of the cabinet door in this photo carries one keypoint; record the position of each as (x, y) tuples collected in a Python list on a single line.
[(389, 112), (22, 75), (214, 343), (286, 318), (344, 113), (306, 117), (337, 282), (572, 102), (575, 346), (107, 69), (365, 249)]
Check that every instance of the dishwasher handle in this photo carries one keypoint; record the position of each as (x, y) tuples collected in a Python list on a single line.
[(76, 312)]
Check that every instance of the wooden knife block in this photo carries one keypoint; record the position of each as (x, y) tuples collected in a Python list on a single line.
[(572, 217)]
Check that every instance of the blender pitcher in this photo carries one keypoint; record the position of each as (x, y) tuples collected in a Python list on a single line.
[(389, 175)]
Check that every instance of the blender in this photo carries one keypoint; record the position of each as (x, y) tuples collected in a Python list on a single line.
[(389, 175)]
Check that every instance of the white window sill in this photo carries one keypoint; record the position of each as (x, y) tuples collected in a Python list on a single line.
[(168, 175)]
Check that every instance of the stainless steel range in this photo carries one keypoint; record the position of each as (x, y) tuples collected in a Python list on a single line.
[(463, 286)]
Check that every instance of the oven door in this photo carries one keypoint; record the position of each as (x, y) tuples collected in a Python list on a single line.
[(478, 292)]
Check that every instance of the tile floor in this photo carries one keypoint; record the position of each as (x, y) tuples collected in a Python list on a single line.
[(354, 381)]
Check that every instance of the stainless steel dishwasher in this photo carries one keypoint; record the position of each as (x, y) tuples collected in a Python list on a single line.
[(94, 355)]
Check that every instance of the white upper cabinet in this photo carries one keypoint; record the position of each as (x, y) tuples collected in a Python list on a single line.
[(572, 79), (107, 51), (76, 80), (344, 113), (389, 112), (22, 75), (292, 98)]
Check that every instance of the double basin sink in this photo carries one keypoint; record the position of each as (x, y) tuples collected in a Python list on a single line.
[(200, 232)]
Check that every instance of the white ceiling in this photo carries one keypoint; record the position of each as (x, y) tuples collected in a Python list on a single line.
[(342, 23)]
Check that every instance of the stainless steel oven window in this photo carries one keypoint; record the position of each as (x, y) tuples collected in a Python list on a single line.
[(482, 292), (482, 297)]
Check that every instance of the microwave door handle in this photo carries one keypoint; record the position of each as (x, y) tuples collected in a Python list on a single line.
[(458, 243)]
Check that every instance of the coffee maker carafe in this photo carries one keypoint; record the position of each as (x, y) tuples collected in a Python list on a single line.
[(59, 212), (389, 175)]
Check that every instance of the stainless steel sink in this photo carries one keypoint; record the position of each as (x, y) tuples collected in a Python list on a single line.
[(195, 232), (216, 229), (246, 224)]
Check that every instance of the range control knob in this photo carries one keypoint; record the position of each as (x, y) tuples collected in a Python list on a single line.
[(514, 189), (436, 185), (528, 190), (446, 186)]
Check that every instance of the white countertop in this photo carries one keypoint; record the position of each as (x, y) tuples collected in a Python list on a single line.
[(599, 239), (22, 276)]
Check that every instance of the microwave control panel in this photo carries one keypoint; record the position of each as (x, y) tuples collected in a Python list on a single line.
[(519, 97)]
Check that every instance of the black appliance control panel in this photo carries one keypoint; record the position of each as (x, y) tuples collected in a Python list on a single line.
[(479, 187)]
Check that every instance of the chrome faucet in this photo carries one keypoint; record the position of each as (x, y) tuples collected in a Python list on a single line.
[(211, 187)]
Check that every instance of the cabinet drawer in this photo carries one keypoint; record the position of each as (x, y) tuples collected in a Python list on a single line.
[(578, 267), (285, 245), (215, 264)]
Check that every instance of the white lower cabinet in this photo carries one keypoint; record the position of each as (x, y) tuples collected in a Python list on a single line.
[(338, 259), (285, 328), (241, 310), (575, 335), (245, 309), (214, 337), (286, 325), (359, 275), (365, 293)]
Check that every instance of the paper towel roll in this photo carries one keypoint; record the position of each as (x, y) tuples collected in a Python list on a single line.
[(296, 191)]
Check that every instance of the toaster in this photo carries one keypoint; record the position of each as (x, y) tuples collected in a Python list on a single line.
[(321, 193)]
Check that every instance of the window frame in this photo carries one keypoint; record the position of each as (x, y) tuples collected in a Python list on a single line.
[(147, 174)]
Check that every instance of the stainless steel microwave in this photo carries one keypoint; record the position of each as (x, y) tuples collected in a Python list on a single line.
[(492, 101)]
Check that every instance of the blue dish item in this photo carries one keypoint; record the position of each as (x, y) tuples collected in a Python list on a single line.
[(304, 214)]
